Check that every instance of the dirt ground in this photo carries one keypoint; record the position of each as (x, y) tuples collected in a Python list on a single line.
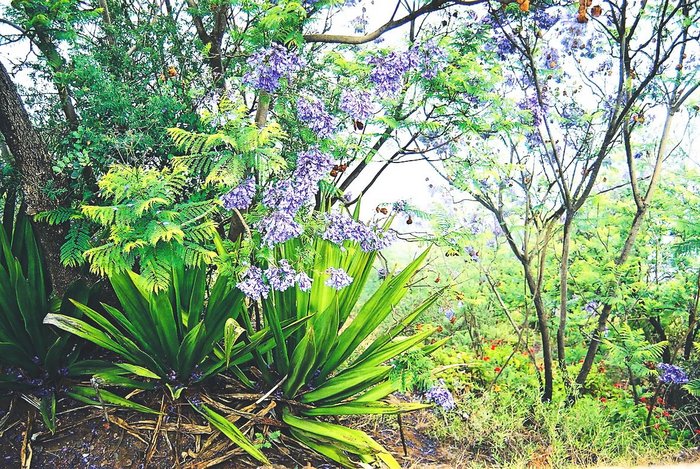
[(85, 440)]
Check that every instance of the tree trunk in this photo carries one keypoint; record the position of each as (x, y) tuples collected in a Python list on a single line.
[(33, 164), (563, 298), (543, 324), (655, 322), (642, 207)]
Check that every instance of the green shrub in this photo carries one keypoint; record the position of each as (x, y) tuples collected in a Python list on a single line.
[(34, 359)]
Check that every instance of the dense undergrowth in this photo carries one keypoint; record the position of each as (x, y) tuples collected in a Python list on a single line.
[(198, 239)]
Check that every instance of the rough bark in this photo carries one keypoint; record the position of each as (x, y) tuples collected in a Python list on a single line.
[(33, 165)]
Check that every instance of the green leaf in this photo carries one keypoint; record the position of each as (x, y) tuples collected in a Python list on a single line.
[(232, 331), (346, 384), (232, 432), (363, 408), (88, 395)]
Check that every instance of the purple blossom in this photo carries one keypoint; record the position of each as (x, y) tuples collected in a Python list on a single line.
[(671, 374), (312, 112), (287, 197), (359, 23), (551, 59), (278, 228), (449, 314), (252, 283), (291, 195), (269, 65), (338, 279), (544, 20), (303, 281), (472, 253), (312, 166), (387, 74), (433, 60), (591, 307), (343, 228), (389, 70), (282, 276), (357, 104), (241, 196), (440, 395), (400, 206), (532, 104)]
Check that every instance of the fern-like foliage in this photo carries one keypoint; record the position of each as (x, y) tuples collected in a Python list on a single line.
[(145, 225), (693, 387), (629, 346), (222, 158)]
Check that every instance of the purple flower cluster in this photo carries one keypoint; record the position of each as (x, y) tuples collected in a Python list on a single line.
[(241, 196), (387, 74), (441, 396), (544, 20), (338, 278), (671, 374), (357, 104), (433, 60), (279, 227), (253, 284), (312, 112), (269, 65), (287, 197), (389, 70), (343, 228), (303, 281), (281, 277), (531, 104), (449, 314), (551, 58), (591, 307), (256, 283)]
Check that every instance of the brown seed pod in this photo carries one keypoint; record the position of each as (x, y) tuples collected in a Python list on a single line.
[(409, 221), (384, 210), (596, 11), (172, 71), (334, 172)]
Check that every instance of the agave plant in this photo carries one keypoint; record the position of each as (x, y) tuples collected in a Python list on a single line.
[(338, 362), (177, 337), (37, 360)]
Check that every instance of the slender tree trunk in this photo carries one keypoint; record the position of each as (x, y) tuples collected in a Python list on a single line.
[(543, 324), (563, 298), (655, 322), (33, 165), (642, 208)]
